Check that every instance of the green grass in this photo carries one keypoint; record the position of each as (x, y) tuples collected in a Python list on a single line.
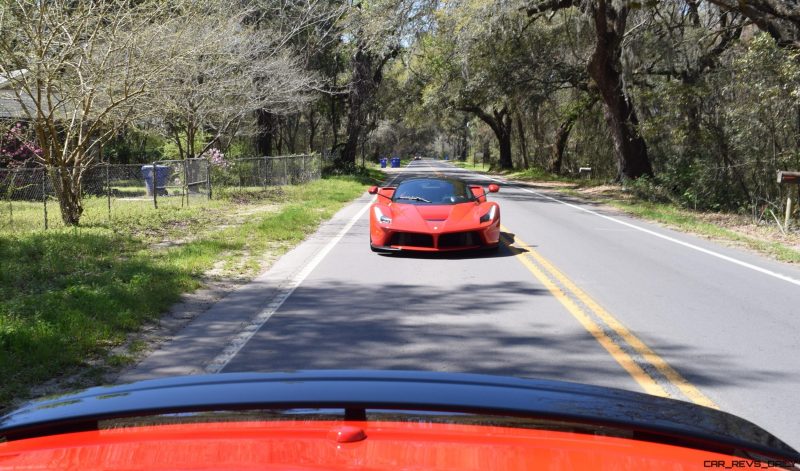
[(537, 174), (533, 174), (688, 221), (21, 217), (470, 165), (684, 220), (67, 295), (669, 214)]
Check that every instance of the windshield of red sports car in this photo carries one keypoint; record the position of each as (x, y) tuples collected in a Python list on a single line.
[(433, 191)]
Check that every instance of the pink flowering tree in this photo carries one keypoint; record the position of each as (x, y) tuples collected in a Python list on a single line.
[(17, 148), (81, 72)]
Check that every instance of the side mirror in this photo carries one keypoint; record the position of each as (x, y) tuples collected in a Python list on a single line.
[(494, 188), (373, 190)]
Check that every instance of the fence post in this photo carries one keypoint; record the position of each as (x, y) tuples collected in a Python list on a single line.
[(155, 188), (208, 179), (788, 216), (264, 161), (44, 196), (186, 180), (11, 199), (108, 190), (285, 171)]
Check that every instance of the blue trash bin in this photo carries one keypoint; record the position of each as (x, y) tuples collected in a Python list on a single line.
[(383, 162), (395, 162), (163, 173)]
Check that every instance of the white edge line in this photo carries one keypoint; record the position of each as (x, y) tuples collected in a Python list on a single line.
[(771, 273), (240, 340)]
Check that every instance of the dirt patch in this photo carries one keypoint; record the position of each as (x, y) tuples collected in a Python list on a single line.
[(744, 225), (243, 215), (167, 241), (736, 223), (554, 185), (247, 196), (605, 191)]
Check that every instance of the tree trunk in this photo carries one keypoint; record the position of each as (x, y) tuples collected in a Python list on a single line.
[(522, 140), (292, 129), (556, 163), (605, 68), (501, 124), (464, 140), (191, 132), (67, 182), (360, 91), (279, 131), (505, 146), (562, 136), (779, 18), (312, 131), (348, 156), (334, 123), (177, 136), (538, 139), (367, 75), (266, 131)]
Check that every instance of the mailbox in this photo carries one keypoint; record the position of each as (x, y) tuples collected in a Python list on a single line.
[(785, 177), (788, 177)]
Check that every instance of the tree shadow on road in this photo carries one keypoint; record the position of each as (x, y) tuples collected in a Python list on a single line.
[(513, 329)]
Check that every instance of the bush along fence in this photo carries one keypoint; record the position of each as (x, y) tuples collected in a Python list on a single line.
[(30, 197)]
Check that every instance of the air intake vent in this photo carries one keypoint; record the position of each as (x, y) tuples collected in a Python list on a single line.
[(459, 239), (411, 239)]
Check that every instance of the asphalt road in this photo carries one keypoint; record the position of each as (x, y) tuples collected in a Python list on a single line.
[(581, 294)]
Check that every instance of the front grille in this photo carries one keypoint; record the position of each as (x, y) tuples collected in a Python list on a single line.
[(459, 239), (411, 239)]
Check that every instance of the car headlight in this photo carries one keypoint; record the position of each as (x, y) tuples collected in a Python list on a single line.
[(380, 217), (490, 215)]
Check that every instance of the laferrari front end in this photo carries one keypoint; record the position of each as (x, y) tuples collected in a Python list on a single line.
[(434, 215)]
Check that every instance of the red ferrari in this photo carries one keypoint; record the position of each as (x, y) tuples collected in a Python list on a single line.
[(433, 215)]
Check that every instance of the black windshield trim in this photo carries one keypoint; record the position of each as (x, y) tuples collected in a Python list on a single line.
[(468, 196)]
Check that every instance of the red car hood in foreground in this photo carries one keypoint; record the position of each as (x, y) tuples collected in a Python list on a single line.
[(377, 420), (313, 445)]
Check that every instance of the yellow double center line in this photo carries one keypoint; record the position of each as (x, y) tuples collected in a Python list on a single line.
[(551, 277)]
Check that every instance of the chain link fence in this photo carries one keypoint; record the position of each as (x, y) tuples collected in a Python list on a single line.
[(264, 172), (29, 197)]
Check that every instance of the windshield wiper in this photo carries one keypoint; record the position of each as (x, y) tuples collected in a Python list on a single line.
[(413, 198)]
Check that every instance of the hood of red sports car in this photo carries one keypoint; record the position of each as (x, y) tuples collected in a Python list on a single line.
[(436, 218)]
